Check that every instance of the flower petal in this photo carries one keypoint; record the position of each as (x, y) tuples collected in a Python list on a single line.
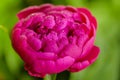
[(46, 56), (35, 43), (89, 59), (40, 67), (71, 50), (91, 18), (49, 22), (64, 63), (27, 11), (92, 56)]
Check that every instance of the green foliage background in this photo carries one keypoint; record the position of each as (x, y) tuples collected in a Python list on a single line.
[(107, 12)]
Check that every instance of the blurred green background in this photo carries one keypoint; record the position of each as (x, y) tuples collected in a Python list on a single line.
[(107, 12)]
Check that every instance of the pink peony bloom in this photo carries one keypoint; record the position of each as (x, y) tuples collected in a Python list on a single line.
[(51, 39)]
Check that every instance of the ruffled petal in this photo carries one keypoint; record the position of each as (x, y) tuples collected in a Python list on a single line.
[(89, 15), (89, 59), (64, 63), (27, 11), (42, 67)]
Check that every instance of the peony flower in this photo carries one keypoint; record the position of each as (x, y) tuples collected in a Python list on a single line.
[(51, 39)]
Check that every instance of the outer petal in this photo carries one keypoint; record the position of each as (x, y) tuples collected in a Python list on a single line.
[(64, 63), (89, 59), (91, 18), (41, 67), (37, 69), (89, 43), (33, 20), (27, 11), (15, 37), (58, 65), (87, 47), (21, 46), (92, 56)]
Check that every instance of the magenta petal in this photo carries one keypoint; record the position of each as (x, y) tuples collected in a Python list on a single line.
[(89, 59), (52, 67), (87, 47), (94, 22), (76, 17), (64, 63), (72, 9), (33, 19), (49, 22), (37, 69), (15, 37), (25, 52), (21, 46), (91, 18), (27, 11), (40, 67), (35, 43), (85, 19), (72, 51), (79, 66), (92, 56), (89, 44), (86, 11), (61, 23), (51, 47), (46, 56)]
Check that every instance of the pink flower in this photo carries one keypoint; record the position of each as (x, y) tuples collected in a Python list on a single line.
[(51, 39)]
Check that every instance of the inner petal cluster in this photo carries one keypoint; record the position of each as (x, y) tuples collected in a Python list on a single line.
[(61, 32)]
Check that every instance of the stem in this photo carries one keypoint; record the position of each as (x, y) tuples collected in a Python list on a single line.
[(53, 76), (65, 75), (47, 77)]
